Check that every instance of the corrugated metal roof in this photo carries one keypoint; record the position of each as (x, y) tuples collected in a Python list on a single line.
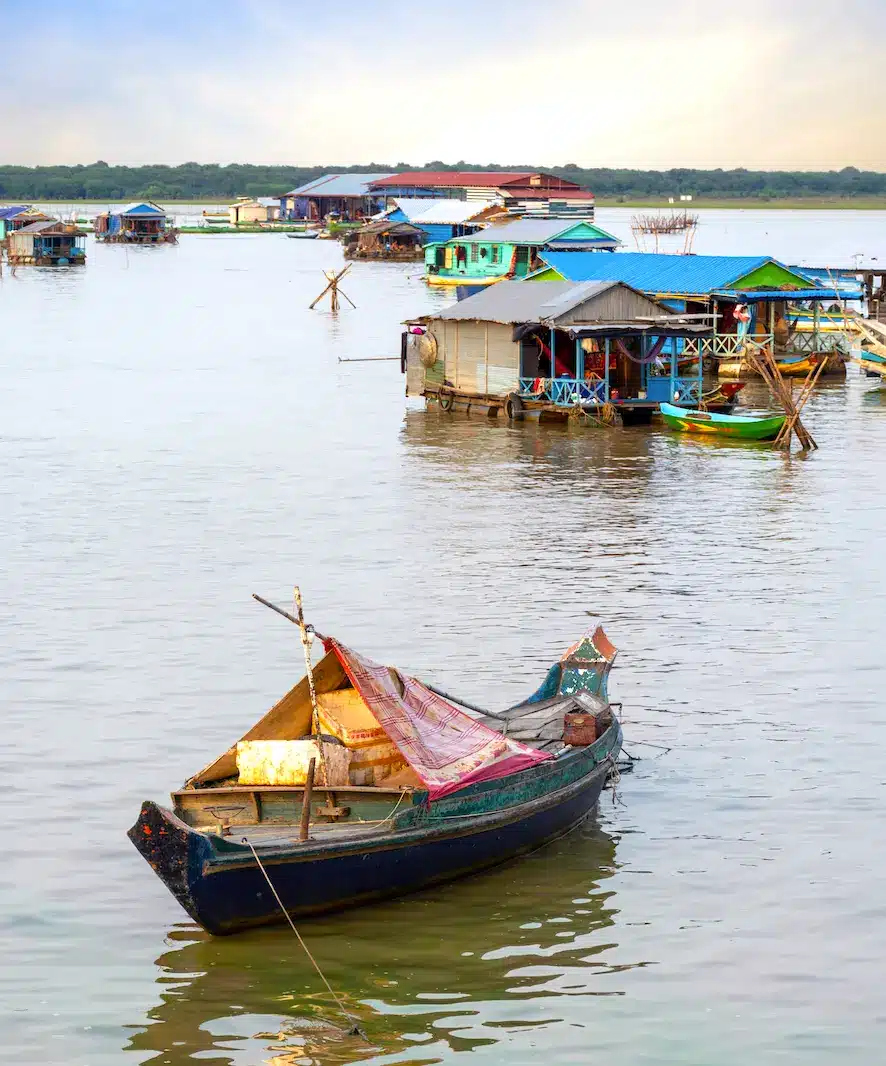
[(140, 207), (412, 206), (384, 226), (585, 244), (522, 231), (11, 212), (338, 185), (524, 193), (534, 231), (62, 227), (456, 178), (514, 301), (798, 294), (652, 272), (439, 212)]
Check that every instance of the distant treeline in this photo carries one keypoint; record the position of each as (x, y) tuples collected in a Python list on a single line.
[(195, 181)]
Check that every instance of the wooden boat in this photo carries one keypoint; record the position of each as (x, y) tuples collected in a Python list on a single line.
[(414, 790), (797, 365), (304, 235), (722, 398), (744, 427), (789, 365)]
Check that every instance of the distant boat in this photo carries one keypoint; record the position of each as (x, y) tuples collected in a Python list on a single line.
[(743, 427), (413, 791), (304, 235)]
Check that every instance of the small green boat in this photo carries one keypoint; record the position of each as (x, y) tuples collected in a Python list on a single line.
[(744, 427)]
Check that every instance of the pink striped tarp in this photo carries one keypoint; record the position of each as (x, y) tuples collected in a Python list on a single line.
[(446, 747)]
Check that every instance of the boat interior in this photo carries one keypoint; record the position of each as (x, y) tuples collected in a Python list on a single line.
[(361, 777)]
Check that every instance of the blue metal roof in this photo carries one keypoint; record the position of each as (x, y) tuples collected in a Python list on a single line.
[(796, 295), (141, 209), (11, 212), (338, 185), (653, 272)]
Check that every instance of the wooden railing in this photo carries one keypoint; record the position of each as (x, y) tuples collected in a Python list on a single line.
[(724, 345), (572, 392)]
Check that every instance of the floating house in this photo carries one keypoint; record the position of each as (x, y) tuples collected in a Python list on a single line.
[(774, 297), (511, 250), (7, 214), (249, 212), (522, 192), (49, 243), (443, 219), (15, 218), (137, 223), (399, 241), (548, 349), (346, 197)]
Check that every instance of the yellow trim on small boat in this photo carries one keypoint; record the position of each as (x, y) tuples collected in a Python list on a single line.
[(463, 279)]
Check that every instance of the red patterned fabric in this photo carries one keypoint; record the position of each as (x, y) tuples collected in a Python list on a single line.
[(442, 744)]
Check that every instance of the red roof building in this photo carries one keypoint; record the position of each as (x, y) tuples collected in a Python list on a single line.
[(520, 190)]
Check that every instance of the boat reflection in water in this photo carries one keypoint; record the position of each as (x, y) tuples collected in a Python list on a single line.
[(445, 970)]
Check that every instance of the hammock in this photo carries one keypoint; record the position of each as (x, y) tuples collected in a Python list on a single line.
[(651, 356), (560, 367)]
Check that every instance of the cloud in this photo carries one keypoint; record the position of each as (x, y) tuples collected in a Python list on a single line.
[(574, 80)]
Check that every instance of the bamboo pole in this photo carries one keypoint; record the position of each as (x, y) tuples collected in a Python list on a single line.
[(764, 362), (332, 287)]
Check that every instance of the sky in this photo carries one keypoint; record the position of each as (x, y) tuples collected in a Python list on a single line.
[(653, 83)]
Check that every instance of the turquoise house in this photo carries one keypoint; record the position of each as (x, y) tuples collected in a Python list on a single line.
[(511, 250)]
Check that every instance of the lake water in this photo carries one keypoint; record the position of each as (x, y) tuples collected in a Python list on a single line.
[(178, 432)]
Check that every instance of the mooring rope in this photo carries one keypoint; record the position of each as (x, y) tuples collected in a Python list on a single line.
[(614, 776), (355, 1029), (387, 817)]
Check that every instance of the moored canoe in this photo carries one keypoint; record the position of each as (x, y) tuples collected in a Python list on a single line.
[(742, 427)]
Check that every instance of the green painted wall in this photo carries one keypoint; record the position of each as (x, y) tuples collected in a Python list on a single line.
[(771, 276), (548, 274), (584, 231), (478, 265)]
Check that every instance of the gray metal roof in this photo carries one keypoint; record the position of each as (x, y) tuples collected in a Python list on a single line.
[(523, 231), (338, 185), (524, 301), (54, 226), (440, 212)]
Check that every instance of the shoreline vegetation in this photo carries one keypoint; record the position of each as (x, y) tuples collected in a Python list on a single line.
[(212, 183)]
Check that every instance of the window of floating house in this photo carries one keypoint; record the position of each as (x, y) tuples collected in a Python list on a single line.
[(495, 256), (475, 252)]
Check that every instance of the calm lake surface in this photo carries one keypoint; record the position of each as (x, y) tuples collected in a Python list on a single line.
[(178, 432)]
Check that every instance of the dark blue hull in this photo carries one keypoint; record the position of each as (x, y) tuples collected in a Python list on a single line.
[(220, 885)]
